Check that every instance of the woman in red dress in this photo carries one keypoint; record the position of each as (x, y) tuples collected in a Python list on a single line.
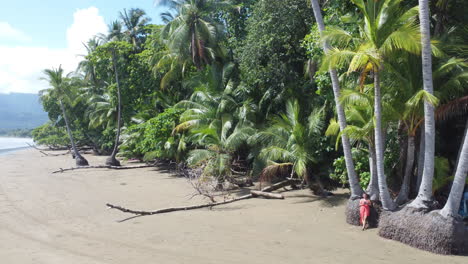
[(364, 210)]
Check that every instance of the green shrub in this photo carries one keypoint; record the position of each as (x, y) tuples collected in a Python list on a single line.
[(361, 164), (148, 140)]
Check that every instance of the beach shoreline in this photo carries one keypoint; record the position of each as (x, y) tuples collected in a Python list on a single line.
[(62, 218)]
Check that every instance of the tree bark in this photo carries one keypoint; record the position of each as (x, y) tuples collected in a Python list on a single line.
[(80, 160), (405, 186), (463, 140), (387, 202), (373, 188), (420, 160), (453, 203), (112, 161), (424, 197), (356, 190)]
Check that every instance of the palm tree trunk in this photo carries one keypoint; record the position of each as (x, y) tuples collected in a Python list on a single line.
[(420, 160), (112, 160), (463, 140), (373, 188), (425, 190), (356, 190), (387, 202), (405, 186), (453, 203), (80, 160)]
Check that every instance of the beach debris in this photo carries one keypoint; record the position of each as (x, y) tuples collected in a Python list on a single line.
[(265, 193), (105, 167)]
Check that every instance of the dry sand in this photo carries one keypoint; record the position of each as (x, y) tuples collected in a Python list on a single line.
[(62, 218)]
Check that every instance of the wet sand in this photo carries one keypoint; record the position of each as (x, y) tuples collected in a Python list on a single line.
[(62, 218)]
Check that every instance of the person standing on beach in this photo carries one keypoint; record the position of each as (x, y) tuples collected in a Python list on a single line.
[(364, 210)]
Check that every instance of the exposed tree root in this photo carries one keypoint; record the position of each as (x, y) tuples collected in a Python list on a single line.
[(426, 231), (104, 167), (253, 194), (112, 161), (353, 216)]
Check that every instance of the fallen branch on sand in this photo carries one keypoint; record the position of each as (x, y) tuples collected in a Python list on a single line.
[(265, 192), (105, 167), (48, 154)]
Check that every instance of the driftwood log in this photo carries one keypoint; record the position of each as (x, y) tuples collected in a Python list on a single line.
[(265, 192), (105, 167)]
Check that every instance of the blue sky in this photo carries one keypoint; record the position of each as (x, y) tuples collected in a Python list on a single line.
[(41, 34)]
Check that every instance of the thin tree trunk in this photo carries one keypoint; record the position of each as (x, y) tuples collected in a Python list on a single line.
[(405, 186), (420, 159), (387, 202), (80, 160), (453, 203), (112, 160), (356, 190), (373, 188), (425, 190)]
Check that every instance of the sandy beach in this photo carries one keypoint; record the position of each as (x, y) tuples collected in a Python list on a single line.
[(62, 218)]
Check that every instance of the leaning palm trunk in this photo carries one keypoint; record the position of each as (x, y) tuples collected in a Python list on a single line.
[(112, 160), (424, 197), (463, 140), (387, 202), (405, 186), (80, 160), (453, 203), (373, 188), (356, 190)]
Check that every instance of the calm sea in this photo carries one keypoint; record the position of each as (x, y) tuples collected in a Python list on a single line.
[(9, 144)]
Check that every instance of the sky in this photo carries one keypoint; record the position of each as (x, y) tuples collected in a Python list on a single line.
[(35, 35)]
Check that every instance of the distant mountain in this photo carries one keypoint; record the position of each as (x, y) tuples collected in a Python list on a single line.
[(18, 110)]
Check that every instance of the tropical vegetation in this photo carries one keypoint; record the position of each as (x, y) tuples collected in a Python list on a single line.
[(368, 95)]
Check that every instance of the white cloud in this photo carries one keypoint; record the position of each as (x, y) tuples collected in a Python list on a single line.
[(86, 24), (7, 32), (22, 66)]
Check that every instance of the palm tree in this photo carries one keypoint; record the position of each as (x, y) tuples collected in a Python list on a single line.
[(425, 189), (290, 139), (214, 122), (112, 160), (459, 182), (387, 28), (192, 34), (356, 190), (134, 22), (358, 107), (59, 90)]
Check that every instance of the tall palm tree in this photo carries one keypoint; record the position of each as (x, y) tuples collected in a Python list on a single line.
[(387, 27), (425, 189), (356, 190), (112, 160), (58, 88)]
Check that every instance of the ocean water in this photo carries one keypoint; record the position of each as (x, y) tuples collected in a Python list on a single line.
[(10, 144)]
